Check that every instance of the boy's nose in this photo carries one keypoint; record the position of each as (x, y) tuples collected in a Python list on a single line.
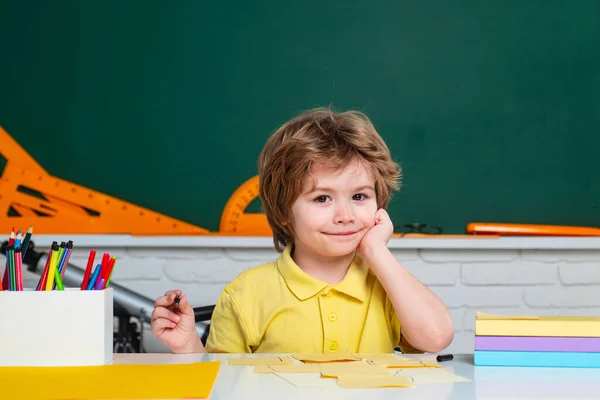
[(344, 215)]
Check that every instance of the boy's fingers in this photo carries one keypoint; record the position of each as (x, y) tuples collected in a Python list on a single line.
[(381, 214), (163, 301), (161, 312), (185, 307), (167, 299), (162, 323)]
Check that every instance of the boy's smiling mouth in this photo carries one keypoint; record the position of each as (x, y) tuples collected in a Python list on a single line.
[(345, 233)]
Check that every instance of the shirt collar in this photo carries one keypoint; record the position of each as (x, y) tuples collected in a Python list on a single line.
[(304, 286)]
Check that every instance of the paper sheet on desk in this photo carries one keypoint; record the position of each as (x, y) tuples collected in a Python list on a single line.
[(121, 381), (288, 369), (429, 375), (254, 361), (334, 370), (379, 359), (310, 380), (380, 381), (428, 364), (325, 358)]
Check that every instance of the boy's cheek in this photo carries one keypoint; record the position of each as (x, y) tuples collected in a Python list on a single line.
[(369, 225), (362, 235)]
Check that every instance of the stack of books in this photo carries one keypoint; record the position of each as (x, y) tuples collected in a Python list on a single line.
[(532, 341)]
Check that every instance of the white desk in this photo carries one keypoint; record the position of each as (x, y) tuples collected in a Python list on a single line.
[(486, 382)]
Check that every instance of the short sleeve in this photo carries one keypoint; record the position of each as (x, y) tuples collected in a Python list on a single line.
[(227, 332)]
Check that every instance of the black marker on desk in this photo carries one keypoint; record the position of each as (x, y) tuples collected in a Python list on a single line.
[(444, 357)]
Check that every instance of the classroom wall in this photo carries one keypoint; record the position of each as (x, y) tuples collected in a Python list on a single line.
[(524, 279), (491, 107)]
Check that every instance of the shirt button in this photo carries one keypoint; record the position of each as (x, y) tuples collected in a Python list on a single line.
[(329, 294), (333, 346), (332, 317)]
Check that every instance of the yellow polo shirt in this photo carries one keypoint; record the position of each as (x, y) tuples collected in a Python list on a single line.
[(278, 308)]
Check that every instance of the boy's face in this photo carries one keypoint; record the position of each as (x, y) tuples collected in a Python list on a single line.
[(331, 219)]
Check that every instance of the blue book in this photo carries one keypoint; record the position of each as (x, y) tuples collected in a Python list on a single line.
[(536, 359)]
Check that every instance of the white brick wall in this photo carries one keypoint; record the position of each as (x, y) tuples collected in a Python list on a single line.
[(540, 276)]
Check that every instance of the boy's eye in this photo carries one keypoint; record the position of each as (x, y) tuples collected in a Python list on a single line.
[(322, 199), (359, 196)]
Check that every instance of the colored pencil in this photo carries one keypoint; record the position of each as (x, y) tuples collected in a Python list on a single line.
[(18, 270), (26, 240), (11, 241)]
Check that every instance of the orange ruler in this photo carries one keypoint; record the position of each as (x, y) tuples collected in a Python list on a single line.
[(29, 196), (490, 228)]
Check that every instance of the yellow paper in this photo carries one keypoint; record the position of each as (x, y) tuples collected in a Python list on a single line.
[(333, 370), (381, 381), (429, 375), (121, 381), (263, 369), (310, 380), (385, 359), (324, 358), (372, 356), (483, 315), (288, 369), (414, 364), (250, 362)]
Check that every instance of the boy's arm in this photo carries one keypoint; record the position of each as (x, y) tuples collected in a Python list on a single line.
[(425, 321)]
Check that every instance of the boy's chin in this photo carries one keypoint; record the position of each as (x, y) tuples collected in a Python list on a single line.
[(340, 251)]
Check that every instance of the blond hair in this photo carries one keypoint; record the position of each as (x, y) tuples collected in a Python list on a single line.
[(319, 136)]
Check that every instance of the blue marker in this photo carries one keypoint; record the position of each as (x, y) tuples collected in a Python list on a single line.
[(61, 264), (94, 277)]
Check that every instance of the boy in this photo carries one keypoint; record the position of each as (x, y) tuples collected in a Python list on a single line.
[(325, 179)]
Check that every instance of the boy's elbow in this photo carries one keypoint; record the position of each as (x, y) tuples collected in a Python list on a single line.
[(441, 340)]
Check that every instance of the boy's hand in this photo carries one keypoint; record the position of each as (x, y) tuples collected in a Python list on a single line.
[(378, 236), (174, 324)]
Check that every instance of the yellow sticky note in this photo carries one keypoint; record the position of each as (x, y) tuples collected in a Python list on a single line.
[(370, 356), (333, 370), (121, 381), (324, 358), (384, 359), (254, 361), (483, 315), (381, 381), (414, 364), (263, 369)]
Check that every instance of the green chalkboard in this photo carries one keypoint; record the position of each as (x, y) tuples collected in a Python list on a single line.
[(491, 107)]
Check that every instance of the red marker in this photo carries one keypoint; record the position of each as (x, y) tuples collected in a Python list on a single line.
[(88, 270)]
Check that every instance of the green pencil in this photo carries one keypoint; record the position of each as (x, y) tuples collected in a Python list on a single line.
[(13, 270), (25, 244)]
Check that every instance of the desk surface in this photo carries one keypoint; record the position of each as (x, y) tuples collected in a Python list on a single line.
[(486, 382)]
